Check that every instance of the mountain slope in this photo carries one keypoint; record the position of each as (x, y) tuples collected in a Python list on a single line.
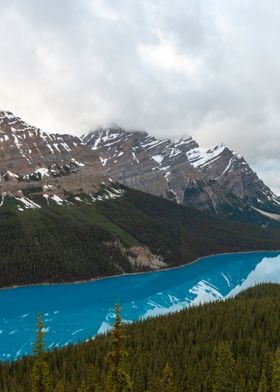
[(187, 340), (51, 164), (129, 232), (214, 180)]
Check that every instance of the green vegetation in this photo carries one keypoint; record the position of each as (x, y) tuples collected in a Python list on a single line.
[(40, 380), (223, 376), (275, 383), (224, 346), (80, 242), (166, 383), (181, 234), (117, 379)]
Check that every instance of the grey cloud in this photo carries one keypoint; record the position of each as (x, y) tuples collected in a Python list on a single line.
[(207, 68)]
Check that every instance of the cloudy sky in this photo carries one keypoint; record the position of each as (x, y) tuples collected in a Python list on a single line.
[(206, 68)]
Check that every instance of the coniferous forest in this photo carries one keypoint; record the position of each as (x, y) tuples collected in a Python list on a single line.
[(229, 346), (81, 241)]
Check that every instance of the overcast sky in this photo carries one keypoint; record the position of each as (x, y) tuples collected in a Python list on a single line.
[(206, 68)]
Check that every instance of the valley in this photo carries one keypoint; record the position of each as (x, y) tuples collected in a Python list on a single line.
[(139, 196), (120, 216)]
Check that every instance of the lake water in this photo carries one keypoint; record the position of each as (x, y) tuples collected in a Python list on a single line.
[(76, 312)]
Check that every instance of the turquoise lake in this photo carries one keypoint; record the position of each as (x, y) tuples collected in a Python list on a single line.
[(76, 312)]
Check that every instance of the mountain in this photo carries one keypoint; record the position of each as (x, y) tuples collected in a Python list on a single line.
[(35, 165), (44, 164), (214, 180), (119, 231), (230, 343)]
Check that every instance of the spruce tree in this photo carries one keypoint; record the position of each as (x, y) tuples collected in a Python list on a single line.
[(91, 379), (60, 386), (40, 378), (262, 387), (223, 376), (276, 372), (82, 387), (117, 379), (166, 383)]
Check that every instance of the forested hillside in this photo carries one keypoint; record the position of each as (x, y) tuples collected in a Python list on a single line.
[(81, 241), (225, 346)]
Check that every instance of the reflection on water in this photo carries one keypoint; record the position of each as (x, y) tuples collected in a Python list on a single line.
[(267, 270), (79, 311)]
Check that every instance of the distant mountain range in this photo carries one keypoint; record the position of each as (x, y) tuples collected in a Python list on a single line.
[(37, 168)]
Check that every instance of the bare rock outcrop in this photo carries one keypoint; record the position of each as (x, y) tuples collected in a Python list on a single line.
[(54, 163)]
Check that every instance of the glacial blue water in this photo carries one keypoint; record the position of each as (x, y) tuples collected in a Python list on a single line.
[(77, 312)]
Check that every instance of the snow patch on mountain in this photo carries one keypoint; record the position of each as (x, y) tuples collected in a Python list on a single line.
[(158, 158), (200, 157), (268, 214), (26, 203)]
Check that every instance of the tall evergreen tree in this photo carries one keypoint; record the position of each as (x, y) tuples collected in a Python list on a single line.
[(276, 372), (60, 386), (91, 380), (82, 387), (40, 381), (167, 381), (223, 377), (262, 387), (117, 379)]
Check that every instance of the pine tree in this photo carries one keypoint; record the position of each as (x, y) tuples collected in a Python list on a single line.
[(82, 387), (117, 379), (91, 380), (40, 381), (262, 387), (167, 381), (276, 372), (223, 377), (60, 386)]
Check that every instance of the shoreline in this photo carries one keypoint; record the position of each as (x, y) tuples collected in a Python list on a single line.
[(134, 273)]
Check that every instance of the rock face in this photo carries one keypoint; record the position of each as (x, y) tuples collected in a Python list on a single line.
[(49, 163), (214, 180), (140, 161)]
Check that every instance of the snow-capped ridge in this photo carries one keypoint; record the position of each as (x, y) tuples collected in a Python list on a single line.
[(21, 201), (215, 179), (30, 156), (200, 156)]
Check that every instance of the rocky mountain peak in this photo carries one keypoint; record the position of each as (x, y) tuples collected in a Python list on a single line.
[(110, 134), (53, 163), (214, 179)]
